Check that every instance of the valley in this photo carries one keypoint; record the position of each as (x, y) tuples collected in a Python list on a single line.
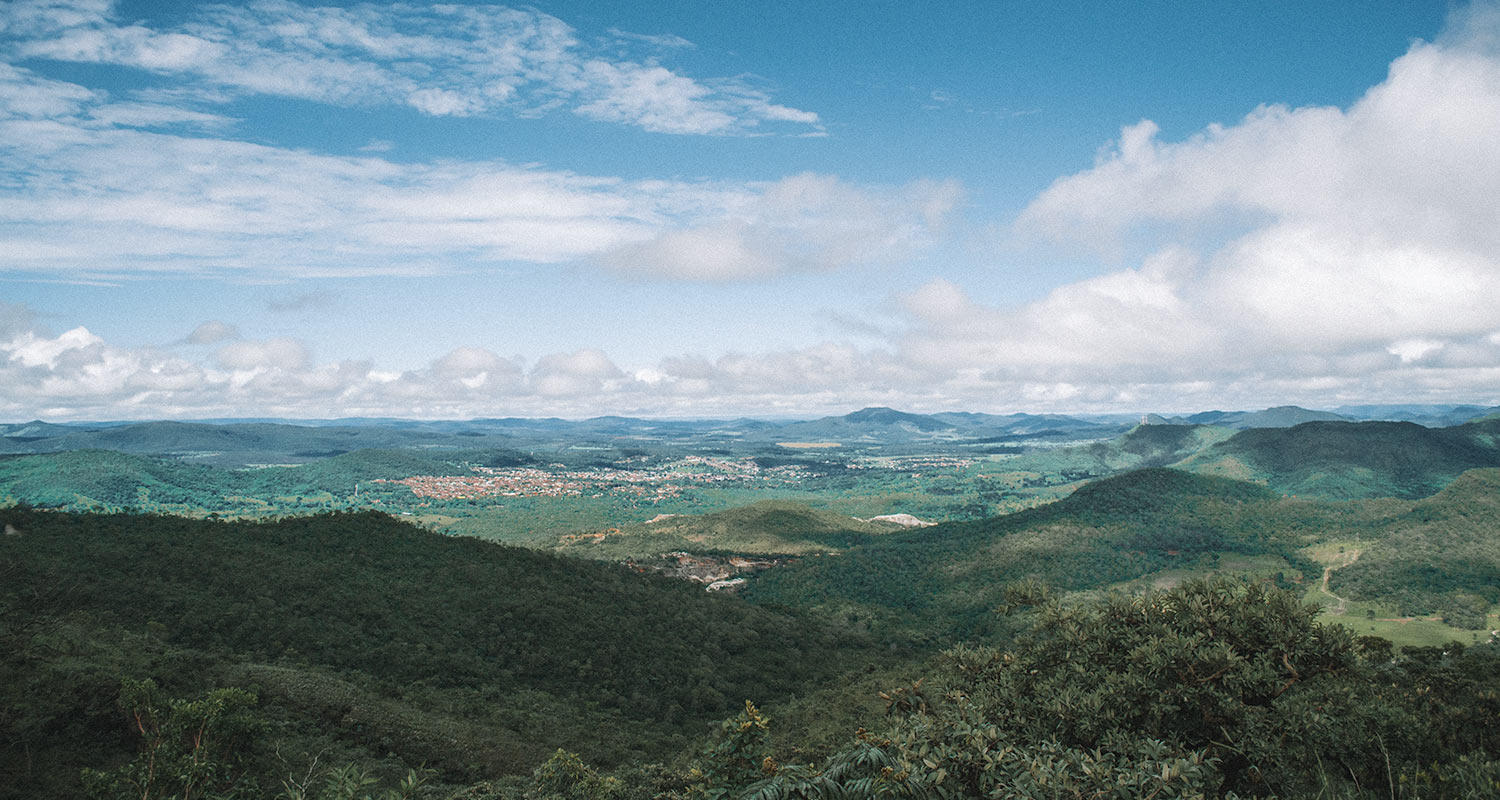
[(476, 598)]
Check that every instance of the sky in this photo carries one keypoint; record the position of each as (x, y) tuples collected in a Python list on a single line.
[(688, 209)]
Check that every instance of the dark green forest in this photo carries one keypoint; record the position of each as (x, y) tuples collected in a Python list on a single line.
[(939, 585), (1216, 688), (1347, 460), (374, 639)]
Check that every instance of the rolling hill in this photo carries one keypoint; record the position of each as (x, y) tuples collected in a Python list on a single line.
[(945, 580), (1141, 446), (1277, 417), (94, 478), (1353, 459), (1433, 556), (83, 479), (1441, 556), (371, 639)]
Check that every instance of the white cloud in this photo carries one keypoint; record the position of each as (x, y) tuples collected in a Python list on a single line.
[(33, 351), (78, 375), (270, 354), (212, 332), (667, 40), (581, 372), (1307, 255), (155, 115), (805, 223), (96, 194), (1300, 244), (24, 95), (442, 60)]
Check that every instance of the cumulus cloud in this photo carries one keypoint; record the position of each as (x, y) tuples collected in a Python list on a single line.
[(475, 367), (77, 374), (582, 372), (270, 354), (30, 350), (441, 60), (1298, 244)]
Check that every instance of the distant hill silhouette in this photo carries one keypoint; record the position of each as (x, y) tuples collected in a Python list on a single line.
[(1278, 417)]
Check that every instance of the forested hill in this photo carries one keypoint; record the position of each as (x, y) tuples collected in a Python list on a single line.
[(944, 581), (91, 478), (1354, 459), (1441, 556), (367, 635)]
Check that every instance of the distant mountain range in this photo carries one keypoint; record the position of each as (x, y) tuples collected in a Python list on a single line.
[(240, 443), (1431, 416), (234, 444)]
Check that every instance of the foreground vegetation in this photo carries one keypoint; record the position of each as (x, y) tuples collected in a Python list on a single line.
[(370, 640), (1212, 689)]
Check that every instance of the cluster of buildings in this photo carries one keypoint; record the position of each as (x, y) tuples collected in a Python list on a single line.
[(652, 483), (915, 463)]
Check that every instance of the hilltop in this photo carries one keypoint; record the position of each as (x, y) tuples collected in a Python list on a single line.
[(1278, 417), (1349, 459)]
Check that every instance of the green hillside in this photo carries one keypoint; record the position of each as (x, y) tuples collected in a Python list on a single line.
[(94, 478), (339, 473), (771, 527), (944, 581), (1140, 447), (374, 640), (1353, 459), (1441, 557), (239, 444), (1437, 557)]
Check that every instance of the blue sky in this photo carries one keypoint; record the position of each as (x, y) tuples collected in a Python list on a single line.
[(709, 209)]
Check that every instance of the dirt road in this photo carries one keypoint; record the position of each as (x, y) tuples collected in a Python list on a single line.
[(1340, 605)]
